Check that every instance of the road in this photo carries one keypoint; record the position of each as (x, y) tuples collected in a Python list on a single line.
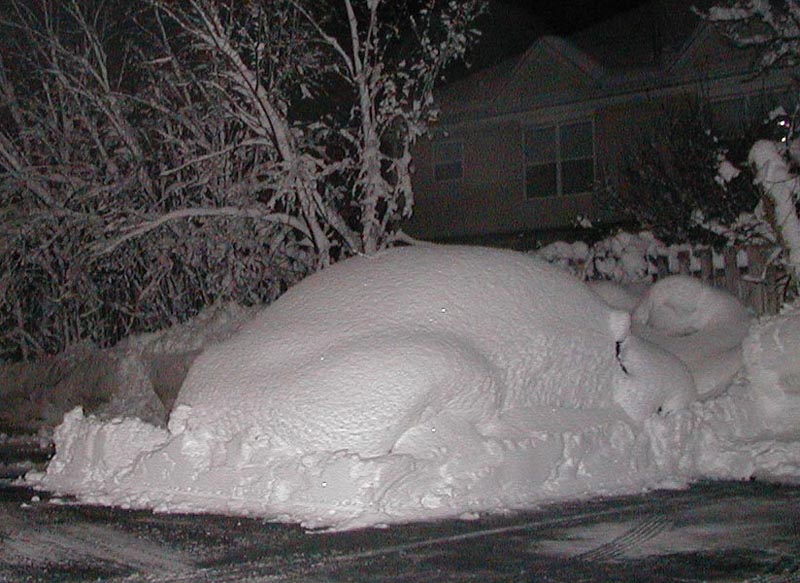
[(720, 531)]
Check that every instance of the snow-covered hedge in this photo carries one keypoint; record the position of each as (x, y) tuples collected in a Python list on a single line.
[(626, 257)]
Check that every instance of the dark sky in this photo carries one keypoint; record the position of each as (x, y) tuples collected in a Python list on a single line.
[(566, 16)]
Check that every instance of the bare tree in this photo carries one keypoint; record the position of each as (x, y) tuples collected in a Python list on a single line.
[(392, 96), (201, 150)]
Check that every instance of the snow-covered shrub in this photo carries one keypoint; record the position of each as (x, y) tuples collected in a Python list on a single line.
[(154, 162), (773, 28), (623, 257)]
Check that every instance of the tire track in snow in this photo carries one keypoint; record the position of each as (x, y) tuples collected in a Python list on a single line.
[(642, 532), (283, 559), (313, 566), (789, 573), (775, 578)]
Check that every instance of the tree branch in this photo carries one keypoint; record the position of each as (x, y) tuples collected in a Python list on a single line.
[(105, 247)]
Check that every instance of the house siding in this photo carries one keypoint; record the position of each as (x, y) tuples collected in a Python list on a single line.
[(490, 198), (479, 201)]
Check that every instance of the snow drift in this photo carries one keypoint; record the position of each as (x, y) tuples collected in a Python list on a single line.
[(421, 382), (140, 375)]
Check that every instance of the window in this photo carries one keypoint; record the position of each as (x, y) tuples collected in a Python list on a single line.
[(448, 161), (559, 159)]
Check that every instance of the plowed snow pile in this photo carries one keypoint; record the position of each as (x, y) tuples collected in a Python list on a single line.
[(441, 381)]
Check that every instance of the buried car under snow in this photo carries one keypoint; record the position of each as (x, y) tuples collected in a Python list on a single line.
[(420, 382)]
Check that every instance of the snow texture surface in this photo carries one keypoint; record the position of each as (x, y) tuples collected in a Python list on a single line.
[(435, 381), (701, 325)]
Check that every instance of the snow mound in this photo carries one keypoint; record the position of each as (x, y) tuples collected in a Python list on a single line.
[(680, 305), (655, 381), (415, 329), (619, 296), (419, 383), (772, 361), (703, 326)]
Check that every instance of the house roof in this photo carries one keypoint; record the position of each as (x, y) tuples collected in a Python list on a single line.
[(647, 36), (481, 87), (629, 51), (492, 87)]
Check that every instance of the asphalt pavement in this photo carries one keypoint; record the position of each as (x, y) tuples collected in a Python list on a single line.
[(714, 531)]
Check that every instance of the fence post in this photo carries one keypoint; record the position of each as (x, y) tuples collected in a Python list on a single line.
[(684, 263), (706, 259), (732, 276), (662, 266), (774, 298), (756, 278)]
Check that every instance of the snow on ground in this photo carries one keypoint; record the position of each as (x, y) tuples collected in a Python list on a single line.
[(772, 365), (439, 381), (139, 376)]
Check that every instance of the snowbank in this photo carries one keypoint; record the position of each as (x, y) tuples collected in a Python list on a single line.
[(140, 376), (419, 383), (623, 257), (772, 361)]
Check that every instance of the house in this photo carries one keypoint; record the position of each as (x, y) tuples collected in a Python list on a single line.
[(519, 145)]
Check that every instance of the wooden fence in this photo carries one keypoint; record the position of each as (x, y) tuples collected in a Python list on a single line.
[(748, 273)]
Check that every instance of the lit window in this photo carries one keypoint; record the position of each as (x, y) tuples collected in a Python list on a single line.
[(448, 161), (559, 159)]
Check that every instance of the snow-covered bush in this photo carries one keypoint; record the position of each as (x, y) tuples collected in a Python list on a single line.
[(622, 257), (155, 162)]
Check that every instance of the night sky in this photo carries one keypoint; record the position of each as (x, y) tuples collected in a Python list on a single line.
[(568, 16)]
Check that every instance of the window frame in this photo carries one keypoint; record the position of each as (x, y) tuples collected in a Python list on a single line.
[(557, 128)]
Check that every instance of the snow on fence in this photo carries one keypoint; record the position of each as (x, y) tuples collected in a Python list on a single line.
[(748, 272)]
